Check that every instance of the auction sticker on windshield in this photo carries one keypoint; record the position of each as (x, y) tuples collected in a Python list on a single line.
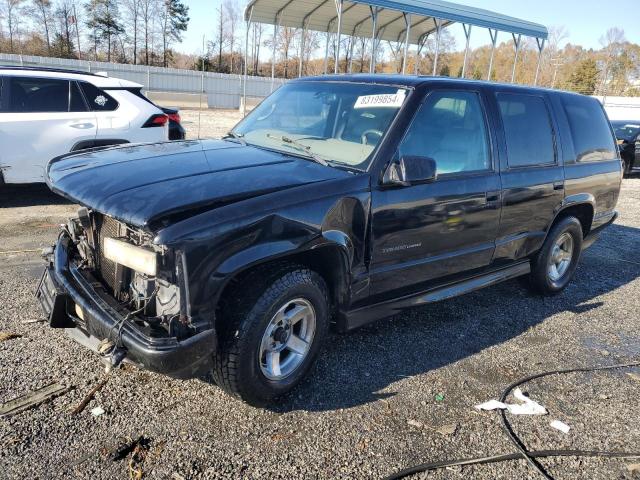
[(381, 100)]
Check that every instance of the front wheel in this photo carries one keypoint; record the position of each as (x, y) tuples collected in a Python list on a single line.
[(553, 267), (276, 325)]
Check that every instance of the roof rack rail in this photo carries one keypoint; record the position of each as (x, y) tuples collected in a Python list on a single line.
[(46, 69)]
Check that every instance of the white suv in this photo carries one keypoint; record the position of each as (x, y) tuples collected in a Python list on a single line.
[(47, 112)]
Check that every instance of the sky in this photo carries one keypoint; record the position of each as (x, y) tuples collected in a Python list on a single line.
[(585, 20)]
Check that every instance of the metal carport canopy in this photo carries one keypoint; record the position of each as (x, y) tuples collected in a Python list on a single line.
[(321, 15)]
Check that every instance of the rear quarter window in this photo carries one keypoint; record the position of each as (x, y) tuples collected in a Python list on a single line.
[(590, 130), (98, 99)]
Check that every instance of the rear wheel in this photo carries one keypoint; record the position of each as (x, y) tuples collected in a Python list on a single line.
[(554, 266), (276, 325)]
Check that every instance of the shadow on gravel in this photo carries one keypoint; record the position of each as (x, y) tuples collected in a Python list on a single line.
[(353, 368), (29, 195)]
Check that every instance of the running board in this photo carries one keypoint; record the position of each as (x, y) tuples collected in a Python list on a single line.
[(362, 316)]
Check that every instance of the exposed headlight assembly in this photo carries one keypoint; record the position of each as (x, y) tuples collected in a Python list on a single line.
[(136, 258)]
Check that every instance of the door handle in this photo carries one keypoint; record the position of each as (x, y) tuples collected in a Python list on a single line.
[(558, 185), (82, 126)]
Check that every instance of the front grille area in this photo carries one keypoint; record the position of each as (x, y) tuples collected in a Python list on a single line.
[(107, 227)]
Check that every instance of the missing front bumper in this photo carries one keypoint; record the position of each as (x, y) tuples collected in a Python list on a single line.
[(63, 289)]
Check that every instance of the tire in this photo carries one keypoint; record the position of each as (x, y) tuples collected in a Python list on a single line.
[(253, 341), (626, 167), (543, 278)]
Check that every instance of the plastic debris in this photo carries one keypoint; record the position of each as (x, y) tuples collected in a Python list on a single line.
[(526, 407), (439, 397), (97, 411), (32, 399), (563, 427)]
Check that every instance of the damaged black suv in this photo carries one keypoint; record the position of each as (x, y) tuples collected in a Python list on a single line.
[(337, 201)]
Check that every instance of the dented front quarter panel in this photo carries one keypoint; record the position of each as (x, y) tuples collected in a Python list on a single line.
[(221, 243)]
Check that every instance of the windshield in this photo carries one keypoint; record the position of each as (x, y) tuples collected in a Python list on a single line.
[(626, 130), (331, 122)]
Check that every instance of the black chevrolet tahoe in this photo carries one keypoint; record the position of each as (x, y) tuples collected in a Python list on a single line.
[(339, 200)]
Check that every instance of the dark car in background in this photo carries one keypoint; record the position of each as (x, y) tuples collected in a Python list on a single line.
[(339, 200), (176, 130), (628, 135)]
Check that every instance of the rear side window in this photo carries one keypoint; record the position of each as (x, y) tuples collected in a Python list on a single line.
[(527, 128), (592, 138), (98, 100), (76, 101), (38, 95)]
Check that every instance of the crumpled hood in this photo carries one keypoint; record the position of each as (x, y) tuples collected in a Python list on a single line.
[(145, 184)]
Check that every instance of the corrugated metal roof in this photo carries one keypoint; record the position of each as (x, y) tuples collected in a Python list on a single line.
[(321, 16)]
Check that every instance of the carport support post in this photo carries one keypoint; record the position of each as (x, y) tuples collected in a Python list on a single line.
[(246, 64), (407, 22), (540, 43), (467, 34), (326, 50), (494, 39), (304, 34), (422, 41), (374, 22), (352, 40), (339, 10), (435, 56), (273, 51), (516, 41)]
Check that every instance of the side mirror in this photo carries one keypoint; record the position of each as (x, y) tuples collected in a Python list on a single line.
[(410, 170)]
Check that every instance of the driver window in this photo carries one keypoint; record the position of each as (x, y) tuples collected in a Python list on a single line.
[(450, 128)]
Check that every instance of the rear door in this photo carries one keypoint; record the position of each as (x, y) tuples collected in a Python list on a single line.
[(114, 123), (531, 171), (41, 119)]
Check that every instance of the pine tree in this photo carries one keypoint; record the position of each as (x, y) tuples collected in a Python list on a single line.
[(104, 23), (584, 78), (174, 22)]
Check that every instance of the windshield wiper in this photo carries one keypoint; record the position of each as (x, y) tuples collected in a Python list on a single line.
[(301, 147), (235, 136)]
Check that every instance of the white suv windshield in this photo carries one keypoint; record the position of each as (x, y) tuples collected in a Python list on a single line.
[(335, 122)]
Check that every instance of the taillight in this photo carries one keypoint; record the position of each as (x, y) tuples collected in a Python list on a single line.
[(174, 117), (158, 120)]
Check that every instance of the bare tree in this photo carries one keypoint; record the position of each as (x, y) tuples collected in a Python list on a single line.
[(612, 46), (11, 9), (232, 14), (41, 12), (148, 9), (133, 13)]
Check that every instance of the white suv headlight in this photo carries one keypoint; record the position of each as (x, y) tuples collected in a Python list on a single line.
[(136, 258)]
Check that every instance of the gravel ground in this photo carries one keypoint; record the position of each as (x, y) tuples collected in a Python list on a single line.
[(395, 393)]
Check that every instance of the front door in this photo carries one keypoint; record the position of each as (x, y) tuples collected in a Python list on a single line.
[(428, 234), (40, 119)]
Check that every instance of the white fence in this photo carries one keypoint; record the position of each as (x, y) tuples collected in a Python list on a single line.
[(622, 108), (221, 90)]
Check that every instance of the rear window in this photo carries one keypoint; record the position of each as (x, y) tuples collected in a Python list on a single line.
[(98, 100), (527, 129), (590, 130)]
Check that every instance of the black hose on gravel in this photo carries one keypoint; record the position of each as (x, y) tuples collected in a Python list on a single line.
[(529, 456)]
